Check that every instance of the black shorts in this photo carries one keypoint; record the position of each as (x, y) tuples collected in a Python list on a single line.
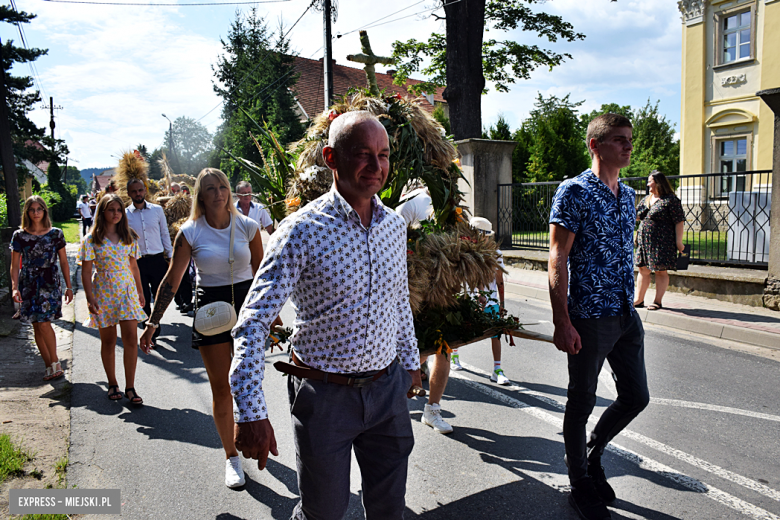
[(220, 293)]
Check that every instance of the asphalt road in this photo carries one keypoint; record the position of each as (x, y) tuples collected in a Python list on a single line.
[(707, 447)]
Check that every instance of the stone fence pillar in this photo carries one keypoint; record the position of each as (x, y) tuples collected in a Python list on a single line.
[(485, 164), (772, 290)]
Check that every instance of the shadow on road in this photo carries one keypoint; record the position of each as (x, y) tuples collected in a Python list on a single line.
[(527, 457)]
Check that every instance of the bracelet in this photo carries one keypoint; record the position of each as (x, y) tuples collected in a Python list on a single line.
[(69, 289)]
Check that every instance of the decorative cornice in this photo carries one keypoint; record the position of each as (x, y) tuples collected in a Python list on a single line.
[(692, 11)]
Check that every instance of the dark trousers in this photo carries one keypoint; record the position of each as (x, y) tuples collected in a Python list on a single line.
[(152, 269), (183, 294), (620, 340), (329, 421), (86, 223)]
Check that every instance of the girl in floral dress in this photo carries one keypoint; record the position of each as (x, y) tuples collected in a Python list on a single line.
[(36, 285), (114, 294)]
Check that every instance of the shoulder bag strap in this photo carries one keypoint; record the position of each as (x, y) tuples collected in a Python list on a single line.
[(231, 259)]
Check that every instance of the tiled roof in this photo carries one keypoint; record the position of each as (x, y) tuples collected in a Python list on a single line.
[(309, 88)]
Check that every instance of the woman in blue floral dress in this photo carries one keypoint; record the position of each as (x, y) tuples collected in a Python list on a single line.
[(36, 284)]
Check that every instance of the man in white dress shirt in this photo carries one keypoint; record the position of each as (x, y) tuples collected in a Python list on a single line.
[(148, 220), (253, 210), (342, 261)]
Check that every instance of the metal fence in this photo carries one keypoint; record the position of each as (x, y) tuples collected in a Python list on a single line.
[(726, 214)]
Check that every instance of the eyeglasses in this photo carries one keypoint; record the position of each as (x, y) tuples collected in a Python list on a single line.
[(36, 210)]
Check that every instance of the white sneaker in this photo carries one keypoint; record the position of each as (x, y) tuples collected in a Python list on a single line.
[(455, 363), (234, 474), (498, 377), (432, 417)]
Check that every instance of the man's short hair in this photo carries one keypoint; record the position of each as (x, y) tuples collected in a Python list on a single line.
[(600, 127), (84, 197), (243, 184), (341, 127), (133, 181)]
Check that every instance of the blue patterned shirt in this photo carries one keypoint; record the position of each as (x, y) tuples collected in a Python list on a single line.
[(350, 290), (601, 263)]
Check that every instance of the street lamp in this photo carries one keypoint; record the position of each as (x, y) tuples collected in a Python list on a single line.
[(170, 140)]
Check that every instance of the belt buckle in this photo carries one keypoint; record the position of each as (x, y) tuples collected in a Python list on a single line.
[(359, 382)]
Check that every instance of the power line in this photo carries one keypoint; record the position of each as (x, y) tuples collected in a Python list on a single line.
[(31, 63), (380, 19), (375, 24), (166, 4)]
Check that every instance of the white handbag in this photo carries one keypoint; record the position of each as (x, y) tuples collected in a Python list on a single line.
[(218, 317)]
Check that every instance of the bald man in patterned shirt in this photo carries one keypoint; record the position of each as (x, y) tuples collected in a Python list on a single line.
[(342, 261)]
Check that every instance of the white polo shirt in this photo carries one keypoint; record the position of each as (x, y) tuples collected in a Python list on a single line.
[(258, 213)]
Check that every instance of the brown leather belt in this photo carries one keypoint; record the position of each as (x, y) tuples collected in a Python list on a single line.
[(300, 369)]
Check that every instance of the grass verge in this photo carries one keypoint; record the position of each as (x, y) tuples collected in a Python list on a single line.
[(13, 457), (70, 228)]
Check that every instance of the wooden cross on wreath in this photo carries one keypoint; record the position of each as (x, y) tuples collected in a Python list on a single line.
[(369, 59)]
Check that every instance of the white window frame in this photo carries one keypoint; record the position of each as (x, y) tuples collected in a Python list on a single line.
[(720, 34), (716, 187)]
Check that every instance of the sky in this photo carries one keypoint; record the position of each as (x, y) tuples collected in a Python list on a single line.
[(115, 69)]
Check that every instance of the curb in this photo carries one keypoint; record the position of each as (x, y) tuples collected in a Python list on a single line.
[(674, 321)]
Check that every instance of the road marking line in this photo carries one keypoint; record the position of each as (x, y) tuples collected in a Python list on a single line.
[(714, 408), (680, 455), (648, 464)]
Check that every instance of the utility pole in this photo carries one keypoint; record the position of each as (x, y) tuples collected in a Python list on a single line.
[(170, 143), (7, 154), (327, 62)]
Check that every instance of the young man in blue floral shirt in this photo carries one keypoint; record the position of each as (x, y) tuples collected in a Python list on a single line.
[(591, 273)]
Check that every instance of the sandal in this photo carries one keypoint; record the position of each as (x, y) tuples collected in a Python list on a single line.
[(639, 305), (136, 399), (56, 369), (654, 306), (47, 376), (114, 394)]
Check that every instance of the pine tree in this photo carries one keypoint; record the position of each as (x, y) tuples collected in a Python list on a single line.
[(254, 75)]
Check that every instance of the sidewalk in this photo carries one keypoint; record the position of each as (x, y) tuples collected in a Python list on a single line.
[(715, 318)]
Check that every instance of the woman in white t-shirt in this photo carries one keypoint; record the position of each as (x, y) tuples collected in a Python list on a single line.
[(205, 238)]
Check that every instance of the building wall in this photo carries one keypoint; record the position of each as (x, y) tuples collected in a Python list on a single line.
[(718, 100)]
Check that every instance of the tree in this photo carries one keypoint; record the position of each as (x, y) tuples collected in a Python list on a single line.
[(193, 144), (462, 60), (500, 132), (552, 139), (65, 207), (655, 147), (439, 115), (253, 77), (73, 178), (155, 170), (19, 99)]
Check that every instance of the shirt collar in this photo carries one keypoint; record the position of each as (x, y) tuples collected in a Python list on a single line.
[(345, 208), (595, 179), (133, 209)]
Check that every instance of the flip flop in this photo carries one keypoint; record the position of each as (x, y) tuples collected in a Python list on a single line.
[(114, 394), (639, 305), (136, 399), (654, 306), (47, 376)]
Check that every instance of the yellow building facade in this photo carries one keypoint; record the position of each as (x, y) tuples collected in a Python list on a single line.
[(730, 51)]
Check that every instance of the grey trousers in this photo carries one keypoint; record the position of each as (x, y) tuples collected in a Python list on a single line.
[(621, 341), (329, 421)]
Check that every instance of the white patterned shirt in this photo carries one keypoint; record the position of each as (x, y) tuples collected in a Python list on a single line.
[(350, 291)]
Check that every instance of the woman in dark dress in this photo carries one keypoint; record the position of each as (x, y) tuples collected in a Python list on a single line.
[(659, 237), (36, 285)]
